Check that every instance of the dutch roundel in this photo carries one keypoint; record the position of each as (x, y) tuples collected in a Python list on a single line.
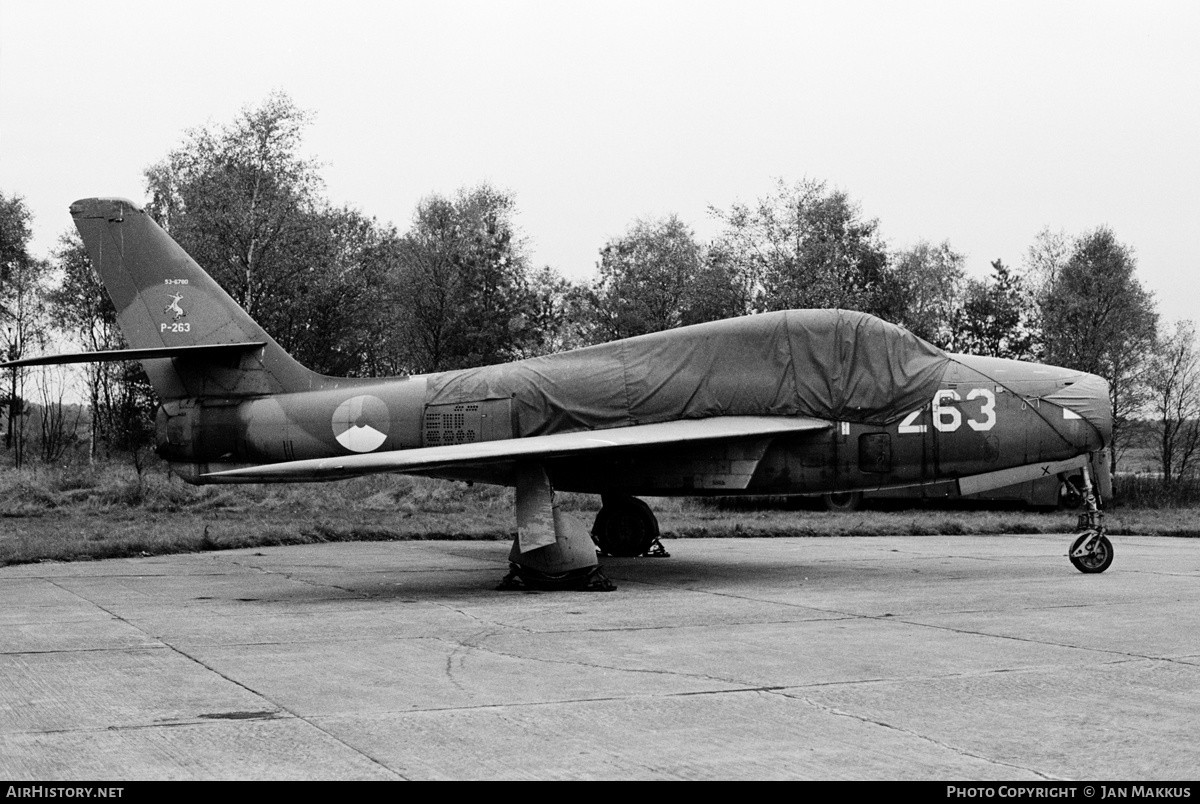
[(360, 424)]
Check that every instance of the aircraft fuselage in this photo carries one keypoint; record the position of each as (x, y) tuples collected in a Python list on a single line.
[(976, 422)]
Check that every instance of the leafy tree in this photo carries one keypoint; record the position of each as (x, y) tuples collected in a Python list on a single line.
[(557, 311), (340, 308), (656, 277), (806, 246), (15, 234), (237, 199), (1174, 383), (22, 311), (994, 317), (716, 291), (461, 284), (249, 208), (1096, 317), (643, 279), (924, 284)]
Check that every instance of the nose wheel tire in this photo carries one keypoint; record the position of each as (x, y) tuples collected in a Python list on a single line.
[(1097, 558)]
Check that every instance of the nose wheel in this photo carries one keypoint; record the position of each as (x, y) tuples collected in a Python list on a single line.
[(1091, 552)]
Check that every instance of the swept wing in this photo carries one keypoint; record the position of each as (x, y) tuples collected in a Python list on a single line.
[(663, 434)]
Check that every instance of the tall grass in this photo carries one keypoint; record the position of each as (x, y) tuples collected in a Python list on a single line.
[(1149, 491), (56, 489)]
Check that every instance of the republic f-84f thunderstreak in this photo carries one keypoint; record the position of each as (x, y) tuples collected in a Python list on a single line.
[(792, 402)]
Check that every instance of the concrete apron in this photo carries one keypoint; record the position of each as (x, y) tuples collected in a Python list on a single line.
[(878, 658)]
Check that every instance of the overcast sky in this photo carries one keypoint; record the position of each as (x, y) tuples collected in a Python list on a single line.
[(977, 123)]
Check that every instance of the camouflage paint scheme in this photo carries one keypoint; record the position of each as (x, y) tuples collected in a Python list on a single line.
[(893, 410), (793, 402)]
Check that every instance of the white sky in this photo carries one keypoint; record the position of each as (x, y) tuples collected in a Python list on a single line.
[(977, 123)]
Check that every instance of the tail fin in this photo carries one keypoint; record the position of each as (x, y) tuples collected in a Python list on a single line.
[(164, 300)]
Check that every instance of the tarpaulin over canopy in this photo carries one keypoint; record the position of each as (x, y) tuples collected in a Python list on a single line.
[(830, 364), (1087, 395)]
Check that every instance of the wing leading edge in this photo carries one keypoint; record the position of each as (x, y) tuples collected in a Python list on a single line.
[(663, 434)]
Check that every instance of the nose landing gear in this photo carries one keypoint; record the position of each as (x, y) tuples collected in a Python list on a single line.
[(1091, 551)]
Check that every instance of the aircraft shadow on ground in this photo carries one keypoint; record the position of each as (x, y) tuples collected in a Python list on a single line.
[(730, 573)]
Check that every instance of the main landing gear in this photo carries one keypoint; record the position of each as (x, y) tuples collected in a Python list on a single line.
[(626, 526), (843, 501), (1091, 551), (553, 550)]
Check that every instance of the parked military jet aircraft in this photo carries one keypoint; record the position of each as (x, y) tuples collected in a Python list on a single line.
[(793, 402)]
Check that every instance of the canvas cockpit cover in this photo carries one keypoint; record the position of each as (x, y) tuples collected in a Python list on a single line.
[(830, 364)]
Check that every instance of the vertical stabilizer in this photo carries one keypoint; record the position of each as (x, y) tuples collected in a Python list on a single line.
[(164, 299)]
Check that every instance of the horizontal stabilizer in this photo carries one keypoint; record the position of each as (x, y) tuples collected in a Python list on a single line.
[(112, 355), (684, 431)]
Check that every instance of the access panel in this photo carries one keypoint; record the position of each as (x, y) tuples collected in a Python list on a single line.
[(468, 422)]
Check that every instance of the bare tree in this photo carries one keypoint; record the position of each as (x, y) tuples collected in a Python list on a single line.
[(1044, 261), (1174, 385), (59, 422), (82, 311)]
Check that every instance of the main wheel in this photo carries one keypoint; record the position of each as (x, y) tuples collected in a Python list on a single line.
[(843, 500), (625, 527), (1096, 561), (1069, 496)]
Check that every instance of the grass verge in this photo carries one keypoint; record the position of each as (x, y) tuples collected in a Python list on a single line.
[(66, 516)]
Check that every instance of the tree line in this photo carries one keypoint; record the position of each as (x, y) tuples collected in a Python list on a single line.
[(349, 295)]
